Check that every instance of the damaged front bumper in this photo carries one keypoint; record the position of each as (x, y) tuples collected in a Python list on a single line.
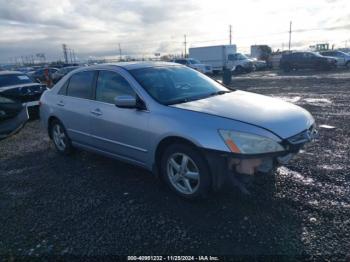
[(226, 166)]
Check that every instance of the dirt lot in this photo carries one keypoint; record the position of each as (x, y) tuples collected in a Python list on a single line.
[(91, 205)]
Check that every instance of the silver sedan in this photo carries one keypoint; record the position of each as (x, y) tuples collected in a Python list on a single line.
[(176, 122)]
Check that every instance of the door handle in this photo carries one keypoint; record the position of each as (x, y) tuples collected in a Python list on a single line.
[(60, 103), (96, 112)]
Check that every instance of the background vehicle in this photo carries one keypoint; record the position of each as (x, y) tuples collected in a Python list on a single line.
[(195, 64), (56, 76), (259, 64), (39, 75), (261, 55), (174, 121), (240, 63), (21, 88), (306, 60), (220, 57), (13, 116), (343, 59)]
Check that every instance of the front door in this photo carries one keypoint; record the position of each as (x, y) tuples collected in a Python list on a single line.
[(120, 131)]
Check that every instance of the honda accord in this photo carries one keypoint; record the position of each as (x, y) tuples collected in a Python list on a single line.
[(183, 126)]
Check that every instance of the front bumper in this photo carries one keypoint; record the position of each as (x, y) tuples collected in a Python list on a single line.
[(13, 125), (226, 166)]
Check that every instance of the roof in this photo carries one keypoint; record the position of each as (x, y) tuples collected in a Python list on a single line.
[(8, 72), (137, 65)]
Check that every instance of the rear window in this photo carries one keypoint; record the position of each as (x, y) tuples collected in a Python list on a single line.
[(14, 79), (80, 85)]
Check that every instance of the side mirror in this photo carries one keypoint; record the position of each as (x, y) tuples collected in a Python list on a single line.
[(125, 101)]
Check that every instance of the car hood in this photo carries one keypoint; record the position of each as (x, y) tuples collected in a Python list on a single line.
[(282, 118), (20, 86), (199, 65)]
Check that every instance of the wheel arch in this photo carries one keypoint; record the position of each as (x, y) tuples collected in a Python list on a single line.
[(164, 143), (49, 124)]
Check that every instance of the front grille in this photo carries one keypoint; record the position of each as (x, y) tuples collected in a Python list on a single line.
[(304, 137)]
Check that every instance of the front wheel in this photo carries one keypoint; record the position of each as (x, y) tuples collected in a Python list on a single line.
[(185, 171)]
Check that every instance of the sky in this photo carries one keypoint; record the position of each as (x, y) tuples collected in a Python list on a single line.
[(94, 29)]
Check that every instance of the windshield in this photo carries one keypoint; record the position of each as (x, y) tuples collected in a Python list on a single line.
[(241, 57), (13, 79), (172, 85)]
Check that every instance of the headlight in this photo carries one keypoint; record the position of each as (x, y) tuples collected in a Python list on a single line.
[(245, 143)]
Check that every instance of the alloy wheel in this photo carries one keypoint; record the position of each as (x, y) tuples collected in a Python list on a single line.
[(59, 137), (183, 173)]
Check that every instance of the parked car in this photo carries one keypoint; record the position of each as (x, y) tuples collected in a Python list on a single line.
[(195, 64), (176, 122), (306, 60), (241, 63), (343, 59), (21, 88), (25, 70), (56, 76), (13, 116), (259, 64), (39, 75), (222, 57)]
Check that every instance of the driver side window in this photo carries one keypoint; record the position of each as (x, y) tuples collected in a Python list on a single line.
[(111, 84)]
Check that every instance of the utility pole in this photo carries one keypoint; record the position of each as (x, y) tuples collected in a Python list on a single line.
[(70, 55), (65, 54), (185, 43), (74, 56), (230, 34), (290, 34), (120, 52)]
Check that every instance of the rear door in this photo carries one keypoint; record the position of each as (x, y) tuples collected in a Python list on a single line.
[(73, 105), (119, 131)]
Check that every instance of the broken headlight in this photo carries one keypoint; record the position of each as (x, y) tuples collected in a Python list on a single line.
[(246, 143)]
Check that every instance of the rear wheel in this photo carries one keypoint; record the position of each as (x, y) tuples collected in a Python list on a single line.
[(60, 138), (185, 171)]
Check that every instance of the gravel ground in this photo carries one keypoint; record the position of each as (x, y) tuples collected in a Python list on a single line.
[(91, 205)]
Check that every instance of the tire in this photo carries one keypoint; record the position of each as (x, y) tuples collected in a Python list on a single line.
[(60, 138), (196, 171), (286, 68), (239, 70), (347, 65)]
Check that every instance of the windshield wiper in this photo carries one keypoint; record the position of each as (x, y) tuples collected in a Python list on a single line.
[(179, 101), (188, 99), (221, 92)]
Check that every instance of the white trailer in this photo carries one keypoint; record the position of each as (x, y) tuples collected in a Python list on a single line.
[(216, 56)]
